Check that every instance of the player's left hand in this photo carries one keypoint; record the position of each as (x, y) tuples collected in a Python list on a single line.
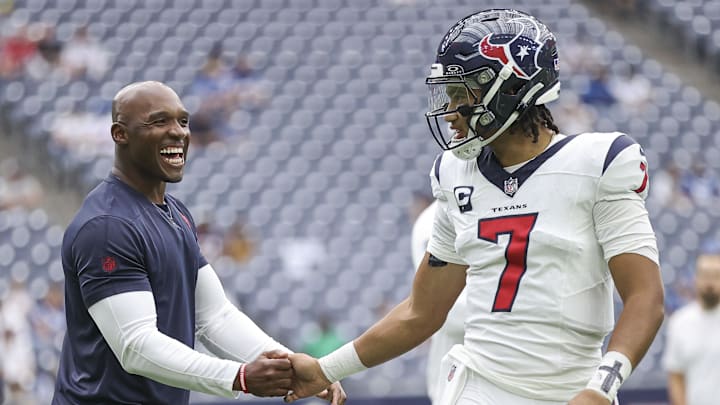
[(589, 397), (309, 378)]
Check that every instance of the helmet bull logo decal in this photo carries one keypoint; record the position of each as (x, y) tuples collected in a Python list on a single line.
[(518, 51)]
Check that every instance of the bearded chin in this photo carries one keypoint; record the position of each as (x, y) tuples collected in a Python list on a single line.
[(709, 299)]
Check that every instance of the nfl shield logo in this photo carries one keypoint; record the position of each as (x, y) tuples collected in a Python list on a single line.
[(511, 186), (452, 372)]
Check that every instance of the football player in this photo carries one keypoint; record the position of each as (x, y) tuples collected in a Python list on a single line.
[(537, 226)]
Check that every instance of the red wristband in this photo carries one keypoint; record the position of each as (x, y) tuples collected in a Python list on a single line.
[(243, 385)]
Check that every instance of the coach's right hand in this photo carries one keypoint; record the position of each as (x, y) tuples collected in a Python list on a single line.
[(270, 375)]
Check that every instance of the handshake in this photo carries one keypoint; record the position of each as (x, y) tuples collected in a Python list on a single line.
[(292, 376)]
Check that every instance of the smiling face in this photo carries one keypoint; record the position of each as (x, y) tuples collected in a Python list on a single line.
[(152, 135)]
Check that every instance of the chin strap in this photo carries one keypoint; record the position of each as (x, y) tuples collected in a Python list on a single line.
[(472, 148)]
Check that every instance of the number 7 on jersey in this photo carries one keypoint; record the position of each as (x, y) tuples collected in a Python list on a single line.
[(518, 227)]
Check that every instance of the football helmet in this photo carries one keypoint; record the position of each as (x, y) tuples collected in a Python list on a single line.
[(490, 67)]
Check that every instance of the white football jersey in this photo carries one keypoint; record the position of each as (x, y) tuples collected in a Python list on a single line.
[(537, 240)]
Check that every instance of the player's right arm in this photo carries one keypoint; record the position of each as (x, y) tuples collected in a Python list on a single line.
[(438, 282), (435, 289)]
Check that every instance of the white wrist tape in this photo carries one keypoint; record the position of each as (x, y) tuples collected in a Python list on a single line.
[(613, 370), (341, 363)]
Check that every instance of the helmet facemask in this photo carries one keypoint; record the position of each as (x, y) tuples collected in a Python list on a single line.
[(472, 97)]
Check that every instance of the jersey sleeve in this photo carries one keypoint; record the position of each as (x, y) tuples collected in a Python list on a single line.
[(442, 238), (108, 258), (435, 179), (622, 223)]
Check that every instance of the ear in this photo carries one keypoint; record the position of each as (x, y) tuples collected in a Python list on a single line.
[(118, 133)]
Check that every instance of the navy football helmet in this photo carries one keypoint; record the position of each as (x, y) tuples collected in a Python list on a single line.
[(490, 67)]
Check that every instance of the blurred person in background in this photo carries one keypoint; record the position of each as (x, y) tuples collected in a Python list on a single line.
[(692, 350), (666, 190), (18, 357), (138, 290), (237, 243), (48, 325), (598, 91), (453, 330), (631, 89), (209, 86), (324, 339), (17, 187), (573, 116), (83, 56), (16, 49), (538, 225), (247, 89), (700, 184), (18, 364), (46, 63)]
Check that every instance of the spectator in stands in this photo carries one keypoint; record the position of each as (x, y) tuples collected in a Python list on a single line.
[(211, 79), (138, 288), (324, 339), (78, 134), (18, 364), (692, 350), (83, 56), (46, 63), (18, 188), (18, 358), (666, 191), (210, 240), (632, 90), (574, 117), (221, 92), (250, 94), (15, 51), (213, 88), (48, 324), (302, 256), (700, 184), (598, 91), (238, 244), (17, 304)]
